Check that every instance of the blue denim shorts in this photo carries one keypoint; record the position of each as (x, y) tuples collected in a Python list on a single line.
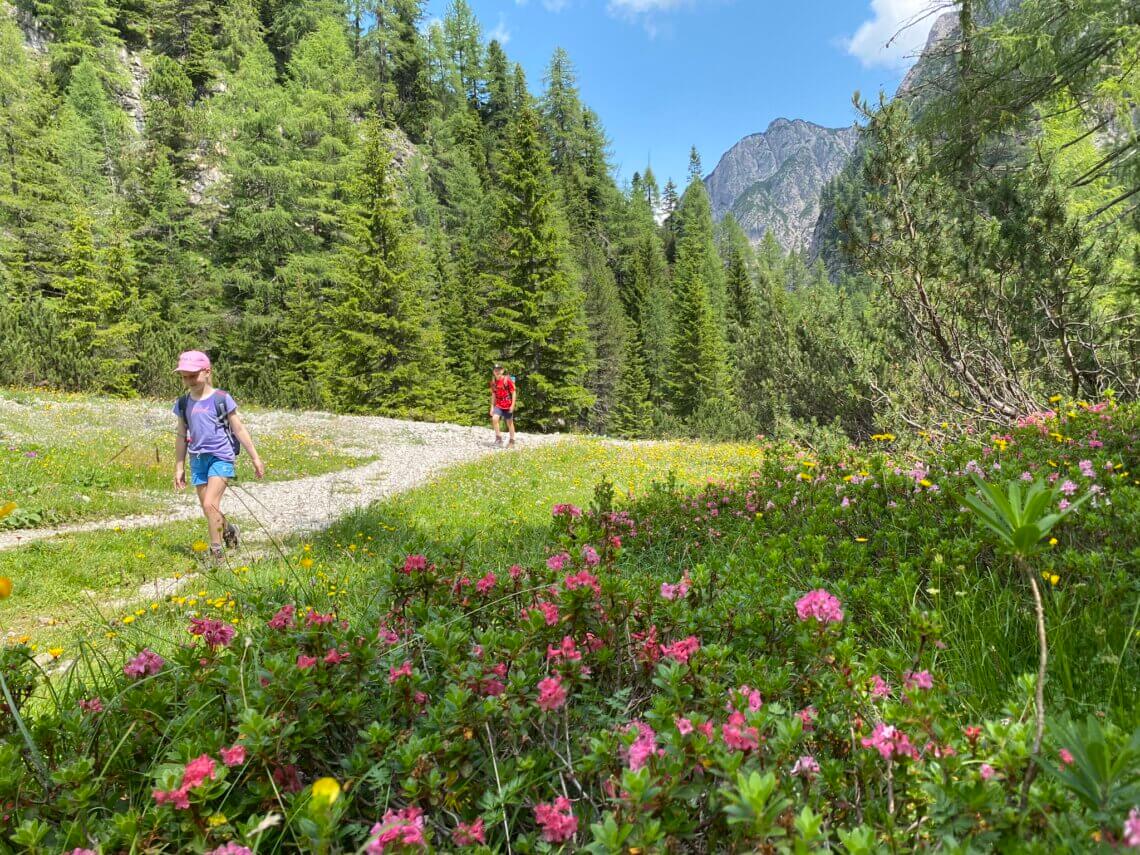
[(203, 467), (504, 413)]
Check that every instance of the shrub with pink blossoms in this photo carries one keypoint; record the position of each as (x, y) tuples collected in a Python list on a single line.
[(216, 633), (398, 828), (551, 693), (556, 819), (819, 605), (145, 664)]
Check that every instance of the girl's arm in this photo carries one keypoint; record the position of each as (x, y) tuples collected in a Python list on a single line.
[(247, 443), (514, 395), (180, 456)]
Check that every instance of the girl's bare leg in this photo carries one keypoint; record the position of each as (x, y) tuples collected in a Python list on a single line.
[(210, 496)]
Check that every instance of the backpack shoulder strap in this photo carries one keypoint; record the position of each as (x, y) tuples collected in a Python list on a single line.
[(220, 407), (183, 404)]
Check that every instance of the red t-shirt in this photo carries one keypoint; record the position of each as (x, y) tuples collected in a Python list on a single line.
[(503, 389)]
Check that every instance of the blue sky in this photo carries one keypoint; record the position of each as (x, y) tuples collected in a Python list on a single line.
[(667, 74)]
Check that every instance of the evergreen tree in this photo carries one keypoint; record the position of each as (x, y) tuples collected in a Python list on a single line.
[(632, 413), (742, 309), (535, 321), (463, 40), (383, 354)]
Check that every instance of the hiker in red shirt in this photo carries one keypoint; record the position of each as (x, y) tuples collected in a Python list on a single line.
[(503, 395)]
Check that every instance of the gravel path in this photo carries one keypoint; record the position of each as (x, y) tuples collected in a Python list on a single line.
[(408, 454)]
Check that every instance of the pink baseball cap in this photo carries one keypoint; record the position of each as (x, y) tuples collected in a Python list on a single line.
[(192, 360)]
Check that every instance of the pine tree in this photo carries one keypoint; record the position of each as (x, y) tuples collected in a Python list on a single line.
[(535, 321), (463, 39), (742, 309), (632, 413), (383, 354), (694, 224)]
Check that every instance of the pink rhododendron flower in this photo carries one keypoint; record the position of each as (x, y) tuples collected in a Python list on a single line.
[(485, 585), (198, 770), (1087, 469), (306, 662), (590, 555), (549, 612), (1068, 487), (283, 618), (178, 799), (93, 705), (556, 820), (315, 618), (806, 767), (807, 717), (583, 579), (515, 571), (1131, 835), (918, 680), (889, 741), (750, 696), (469, 834), (644, 747), (986, 771), (233, 756), (879, 687), (335, 657), (558, 561), (738, 735), (231, 848), (676, 591), (288, 778), (821, 605), (82, 852), (146, 663), (568, 650), (216, 633), (680, 651), (404, 670), (551, 693), (415, 562), (684, 726), (1066, 757), (571, 511), (403, 828)]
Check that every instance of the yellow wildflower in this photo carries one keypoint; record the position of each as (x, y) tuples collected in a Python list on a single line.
[(5, 587), (1054, 579), (55, 652), (217, 819), (6, 509), (926, 482), (1052, 541), (860, 540), (306, 563), (200, 546), (129, 619), (325, 791), (1054, 399)]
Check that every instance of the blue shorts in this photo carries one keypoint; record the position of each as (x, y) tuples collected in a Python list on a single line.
[(203, 467), (505, 414)]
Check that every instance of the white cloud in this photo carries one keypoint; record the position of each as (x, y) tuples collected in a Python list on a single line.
[(647, 12), (905, 24), (500, 34)]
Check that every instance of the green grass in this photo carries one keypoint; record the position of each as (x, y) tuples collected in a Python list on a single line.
[(68, 458), (495, 510)]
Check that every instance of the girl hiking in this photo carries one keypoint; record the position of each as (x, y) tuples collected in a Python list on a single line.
[(211, 430)]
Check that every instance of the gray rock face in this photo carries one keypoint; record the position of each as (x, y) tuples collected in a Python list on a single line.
[(772, 180)]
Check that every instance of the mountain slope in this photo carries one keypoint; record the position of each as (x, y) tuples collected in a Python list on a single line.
[(772, 180)]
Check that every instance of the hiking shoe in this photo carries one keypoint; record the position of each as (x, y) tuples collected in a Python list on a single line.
[(499, 441), (230, 535), (217, 554), (511, 444)]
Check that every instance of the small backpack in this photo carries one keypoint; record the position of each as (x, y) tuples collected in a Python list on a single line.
[(220, 414)]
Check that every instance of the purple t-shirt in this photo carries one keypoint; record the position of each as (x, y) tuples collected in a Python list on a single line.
[(206, 435)]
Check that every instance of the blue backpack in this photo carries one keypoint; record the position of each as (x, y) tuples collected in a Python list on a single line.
[(183, 405)]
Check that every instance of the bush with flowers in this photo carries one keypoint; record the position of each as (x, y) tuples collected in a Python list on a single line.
[(757, 666)]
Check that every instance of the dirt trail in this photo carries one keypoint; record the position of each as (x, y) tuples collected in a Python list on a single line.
[(407, 454)]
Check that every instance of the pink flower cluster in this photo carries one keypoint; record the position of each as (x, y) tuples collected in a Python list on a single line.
[(583, 579), (567, 650), (571, 511), (1132, 829), (283, 619), (92, 705), (678, 591), (199, 770), (643, 747), (415, 562), (556, 819), (590, 555), (558, 561), (746, 693), (216, 633), (738, 735), (806, 767), (400, 828), (469, 833), (404, 670), (146, 663), (918, 680), (485, 585), (231, 848), (821, 605), (680, 651), (315, 618), (551, 693), (889, 741)]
